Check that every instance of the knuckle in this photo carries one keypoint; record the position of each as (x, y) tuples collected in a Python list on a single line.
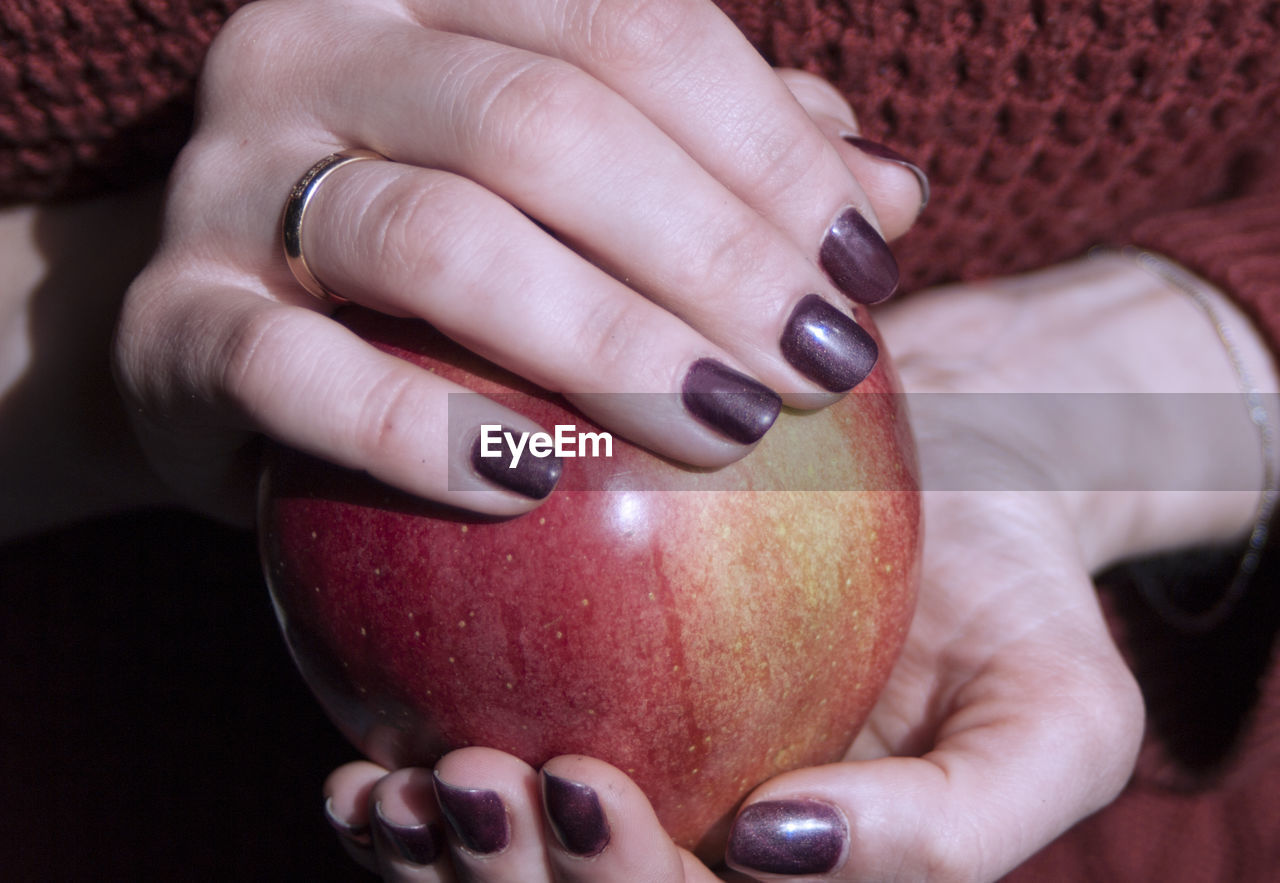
[(614, 328), (391, 409), (1117, 725), (946, 857), (738, 259), (253, 338), (539, 110), (638, 34), (403, 226), (246, 44), (776, 159)]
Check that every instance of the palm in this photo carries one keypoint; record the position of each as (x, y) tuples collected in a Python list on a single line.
[(1006, 627)]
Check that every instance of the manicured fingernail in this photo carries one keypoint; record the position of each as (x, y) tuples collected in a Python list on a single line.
[(827, 346), (504, 457), (879, 151), (730, 402), (576, 815), (858, 260), (788, 837), (477, 816), (419, 844), (356, 834)]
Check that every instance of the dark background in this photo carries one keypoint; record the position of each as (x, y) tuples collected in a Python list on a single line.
[(152, 726)]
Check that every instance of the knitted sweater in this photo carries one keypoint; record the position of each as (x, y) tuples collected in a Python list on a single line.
[(1046, 127)]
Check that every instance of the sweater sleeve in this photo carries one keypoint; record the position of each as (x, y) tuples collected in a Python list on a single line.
[(1235, 244), (96, 93)]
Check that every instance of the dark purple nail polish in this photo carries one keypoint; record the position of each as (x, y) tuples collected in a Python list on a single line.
[(477, 816), (788, 837), (419, 844), (827, 346), (879, 151), (858, 260), (576, 815), (355, 834), (493, 458), (730, 402)]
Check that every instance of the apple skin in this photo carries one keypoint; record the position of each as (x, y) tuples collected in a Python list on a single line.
[(701, 640)]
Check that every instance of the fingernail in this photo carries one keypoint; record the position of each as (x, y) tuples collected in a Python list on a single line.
[(858, 260), (827, 346), (788, 837), (419, 844), (356, 834), (729, 401), (493, 458), (576, 815), (879, 151), (477, 816)]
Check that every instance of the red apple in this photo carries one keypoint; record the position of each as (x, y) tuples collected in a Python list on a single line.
[(701, 640)]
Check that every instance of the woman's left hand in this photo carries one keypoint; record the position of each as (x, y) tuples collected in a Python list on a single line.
[(1010, 714)]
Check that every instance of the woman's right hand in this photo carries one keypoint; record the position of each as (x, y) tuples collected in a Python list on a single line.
[(602, 196)]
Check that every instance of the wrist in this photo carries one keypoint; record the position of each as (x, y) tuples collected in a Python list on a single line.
[(1097, 381), (1208, 420)]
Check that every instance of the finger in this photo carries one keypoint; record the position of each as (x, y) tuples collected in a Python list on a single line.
[(390, 236), (346, 808), (255, 362), (407, 828), (897, 187), (604, 830), (490, 800), (689, 69), (1015, 766), (613, 186)]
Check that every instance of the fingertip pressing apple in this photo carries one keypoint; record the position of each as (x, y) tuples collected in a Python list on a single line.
[(827, 346), (736, 406), (788, 837), (346, 809), (857, 259), (415, 843), (575, 815), (477, 816)]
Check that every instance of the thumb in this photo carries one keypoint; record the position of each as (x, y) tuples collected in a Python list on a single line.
[(1008, 777)]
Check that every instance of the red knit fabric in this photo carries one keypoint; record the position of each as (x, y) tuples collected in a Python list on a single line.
[(96, 93), (1046, 127)]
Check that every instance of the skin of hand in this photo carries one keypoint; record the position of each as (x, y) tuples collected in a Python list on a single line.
[(1011, 714), (576, 190)]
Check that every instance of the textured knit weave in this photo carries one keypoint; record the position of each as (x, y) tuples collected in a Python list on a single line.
[(1046, 126), (96, 92)]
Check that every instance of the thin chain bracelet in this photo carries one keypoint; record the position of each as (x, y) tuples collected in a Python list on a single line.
[(1194, 288)]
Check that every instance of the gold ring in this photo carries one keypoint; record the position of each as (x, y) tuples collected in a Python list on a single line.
[(295, 210)]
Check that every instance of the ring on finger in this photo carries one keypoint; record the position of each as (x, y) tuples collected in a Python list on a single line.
[(295, 212)]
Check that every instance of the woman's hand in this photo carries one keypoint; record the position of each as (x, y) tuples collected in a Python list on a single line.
[(1010, 715), (488, 817), (604, 197)]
